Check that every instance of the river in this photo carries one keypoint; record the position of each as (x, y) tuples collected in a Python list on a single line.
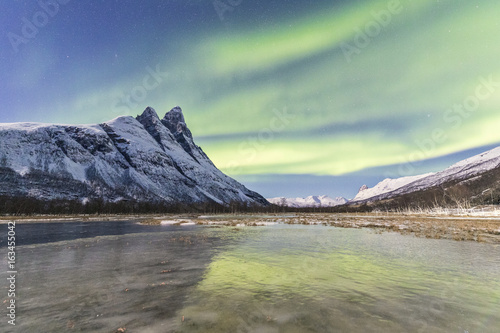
[(116, 276)]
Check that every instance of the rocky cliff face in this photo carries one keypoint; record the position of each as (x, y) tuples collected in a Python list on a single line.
[(142, 159)]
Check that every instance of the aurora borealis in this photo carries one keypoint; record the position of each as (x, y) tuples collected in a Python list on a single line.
[(293, 98)]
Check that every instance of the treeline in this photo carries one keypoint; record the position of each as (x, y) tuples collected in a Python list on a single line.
[(31, 206), (19, 206), (484, 190)]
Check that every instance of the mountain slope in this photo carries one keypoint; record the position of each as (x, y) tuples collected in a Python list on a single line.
[(310, 201), (142, 159), (386, 186), (462, 182)]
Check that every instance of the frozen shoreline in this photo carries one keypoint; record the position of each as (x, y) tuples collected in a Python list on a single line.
[(480, 228)]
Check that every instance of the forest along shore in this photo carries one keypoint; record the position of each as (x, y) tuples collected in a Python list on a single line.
[(456, 227)]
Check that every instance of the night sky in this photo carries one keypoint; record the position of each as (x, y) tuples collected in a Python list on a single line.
[(292, 98)]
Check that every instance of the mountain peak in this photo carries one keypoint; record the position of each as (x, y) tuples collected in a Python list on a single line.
[(175, 115), (126, 159), (176, 108), (149, 113), (363, 188), (174, 121), (152, 124)]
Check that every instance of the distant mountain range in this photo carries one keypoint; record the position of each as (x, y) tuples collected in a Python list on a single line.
[(475, 180), (310, 201), (142, 159)]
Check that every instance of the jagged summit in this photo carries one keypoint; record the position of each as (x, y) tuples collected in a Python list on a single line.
[(142, 159), (149, 113), (363, 188), (152, 123), (173, 118), (174, 121), (175, 115)]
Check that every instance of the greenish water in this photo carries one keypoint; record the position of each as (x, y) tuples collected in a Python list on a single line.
[(320, 279), (282, 278)]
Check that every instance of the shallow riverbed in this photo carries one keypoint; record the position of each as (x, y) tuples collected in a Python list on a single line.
[(273, 278)]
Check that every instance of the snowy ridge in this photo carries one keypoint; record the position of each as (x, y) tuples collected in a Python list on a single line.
[(310, 201), (141, 159), (386, 186), (464, 169)]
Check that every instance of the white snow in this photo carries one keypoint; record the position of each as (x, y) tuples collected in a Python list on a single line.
[(387, 185), (177, 222), (119, 159), (478, 159), (310, 201), (22, 170), (467, 168), (169, 222), (30, 126)]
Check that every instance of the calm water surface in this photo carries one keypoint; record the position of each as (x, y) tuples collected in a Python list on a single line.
[(282, 278)]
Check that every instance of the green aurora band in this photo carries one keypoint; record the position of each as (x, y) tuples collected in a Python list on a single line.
[(392, 101)]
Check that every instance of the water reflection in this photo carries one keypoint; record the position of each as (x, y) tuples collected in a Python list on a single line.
[(283, 278), (315, 279), (99, 284)]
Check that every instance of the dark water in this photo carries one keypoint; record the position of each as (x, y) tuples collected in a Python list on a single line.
[(279, 278), (36, 233)]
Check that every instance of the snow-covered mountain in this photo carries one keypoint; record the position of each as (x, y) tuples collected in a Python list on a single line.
[(310, 201), (385, 186), (462, 171), (142, 159)]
